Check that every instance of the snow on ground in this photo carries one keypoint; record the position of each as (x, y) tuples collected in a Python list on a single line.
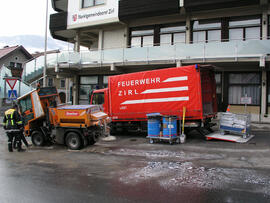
[(180, 170), (173, 174)]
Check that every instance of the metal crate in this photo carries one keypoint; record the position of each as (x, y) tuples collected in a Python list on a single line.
[(235, 124)]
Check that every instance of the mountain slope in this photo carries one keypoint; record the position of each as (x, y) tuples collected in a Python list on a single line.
[(33, 43)]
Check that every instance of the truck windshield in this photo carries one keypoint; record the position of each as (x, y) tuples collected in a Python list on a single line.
[(98, 98), (25, 103)]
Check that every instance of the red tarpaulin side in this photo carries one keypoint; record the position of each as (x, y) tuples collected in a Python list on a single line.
[(165, 91)]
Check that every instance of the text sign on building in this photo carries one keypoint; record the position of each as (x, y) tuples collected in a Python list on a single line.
[(93, 15), (246, 100)]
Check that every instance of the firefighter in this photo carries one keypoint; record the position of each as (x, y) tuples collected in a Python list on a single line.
[(13, 124)]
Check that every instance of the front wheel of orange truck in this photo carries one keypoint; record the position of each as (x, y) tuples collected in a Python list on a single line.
[(73, 141), (38, 138)]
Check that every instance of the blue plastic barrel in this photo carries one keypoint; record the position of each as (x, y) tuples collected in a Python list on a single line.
[(153, 124), (170, 126)]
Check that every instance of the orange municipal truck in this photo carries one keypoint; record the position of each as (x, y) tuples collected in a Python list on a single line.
[(46, 120)]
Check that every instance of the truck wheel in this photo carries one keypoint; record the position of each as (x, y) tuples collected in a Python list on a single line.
[(73, 141), (38, 138)]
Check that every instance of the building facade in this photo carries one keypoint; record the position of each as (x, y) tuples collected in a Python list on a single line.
[(129, 36), (14, 58)]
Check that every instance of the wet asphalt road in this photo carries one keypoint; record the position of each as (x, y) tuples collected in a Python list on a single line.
[(132, 170)]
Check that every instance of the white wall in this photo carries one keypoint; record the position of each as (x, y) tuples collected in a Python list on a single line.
[(115, 39)]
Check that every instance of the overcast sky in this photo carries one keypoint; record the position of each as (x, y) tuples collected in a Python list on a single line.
[(22, 17)]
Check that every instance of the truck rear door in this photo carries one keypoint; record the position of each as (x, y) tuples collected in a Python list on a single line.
[(208, 92)]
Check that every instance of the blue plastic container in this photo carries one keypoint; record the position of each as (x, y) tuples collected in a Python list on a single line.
[(170, 126), (153, 125)]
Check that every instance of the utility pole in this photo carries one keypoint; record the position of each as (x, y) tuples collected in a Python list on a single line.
[(45, 47)]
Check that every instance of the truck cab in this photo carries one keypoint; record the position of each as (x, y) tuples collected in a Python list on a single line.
[(100, 97)]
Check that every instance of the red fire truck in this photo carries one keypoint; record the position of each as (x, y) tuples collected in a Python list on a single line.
[(130, 97)]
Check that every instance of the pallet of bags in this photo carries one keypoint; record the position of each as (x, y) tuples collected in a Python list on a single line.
[(235, 123)]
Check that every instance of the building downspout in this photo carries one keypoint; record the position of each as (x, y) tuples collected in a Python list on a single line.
[(264, 95)]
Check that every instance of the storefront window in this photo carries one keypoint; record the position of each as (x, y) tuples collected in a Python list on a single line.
[(244, 84), (87, 84)]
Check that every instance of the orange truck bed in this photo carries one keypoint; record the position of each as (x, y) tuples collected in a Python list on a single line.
[(81, 116)]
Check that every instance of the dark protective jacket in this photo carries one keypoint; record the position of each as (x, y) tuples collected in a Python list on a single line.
[(12, 120)]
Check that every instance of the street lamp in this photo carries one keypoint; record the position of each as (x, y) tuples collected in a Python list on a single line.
[(45, 47)]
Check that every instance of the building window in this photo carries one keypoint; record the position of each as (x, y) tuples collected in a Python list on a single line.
[(62, 83), (244, 29), (12, 64), (89, 3), (18, 65), (105, 81), (142, 38), (206, 31), (172, 35), (40, 82), (50, 82), (87, 84), (245, 84)]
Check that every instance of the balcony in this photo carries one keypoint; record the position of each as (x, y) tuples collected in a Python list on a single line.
[(233, 51)]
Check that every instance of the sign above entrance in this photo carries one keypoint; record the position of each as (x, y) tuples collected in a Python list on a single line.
[(92, 15), (11, 83)]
